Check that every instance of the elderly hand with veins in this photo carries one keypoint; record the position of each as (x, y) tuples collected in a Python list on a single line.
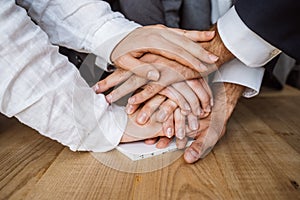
[(213, 127)]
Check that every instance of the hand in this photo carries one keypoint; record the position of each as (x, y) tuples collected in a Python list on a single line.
[(193, 93), (174, 44), (211, 128), (192, 97), (136, 132), (217, 47), (173, 122), (175, 72)]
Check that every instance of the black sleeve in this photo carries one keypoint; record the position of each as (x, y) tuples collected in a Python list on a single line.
[(276, 21)]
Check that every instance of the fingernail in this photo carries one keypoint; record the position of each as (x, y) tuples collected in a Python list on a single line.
[(198, 111), (161, 115), (210, 33), (187, 107), (109, 98), (169, 132), (129, 109), (189, 158), (202, 113), (203, 67), (180, 133), (142, 118), (194, 154), (207, 109), (194, 125), (185, 112), (131, 100), (95, 87), (213, 58), (211, 102), (153, 75)]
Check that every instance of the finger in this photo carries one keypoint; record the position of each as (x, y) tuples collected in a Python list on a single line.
[(175, 96), (197, 150), (132, 84), (193, 48), (149, 108), (189, 95), (201, 93), (163, 142), (179, 120), (168, 126), (181, 143), (202, 146), (112, 80), (205, 85), (204, 115), (161, 41), (151, 141), (196, 36), (138, 67), (176, 50), (148, 91), (193, 122), (130, 109), (193, 152), (166, 109), (170, 70)]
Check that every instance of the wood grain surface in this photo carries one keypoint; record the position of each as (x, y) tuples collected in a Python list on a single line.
[(258, 158)]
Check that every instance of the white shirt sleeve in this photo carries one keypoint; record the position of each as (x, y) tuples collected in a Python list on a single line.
[(86, 25), (235, 71), (238, 73), (43, 90), (246, 45)]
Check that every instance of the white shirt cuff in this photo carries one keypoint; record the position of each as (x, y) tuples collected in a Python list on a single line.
[(110, 34), (109, 131), (238, 73), (246, 45)]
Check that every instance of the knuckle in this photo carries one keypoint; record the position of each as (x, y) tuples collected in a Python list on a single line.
[(171, 105), (151, 88)]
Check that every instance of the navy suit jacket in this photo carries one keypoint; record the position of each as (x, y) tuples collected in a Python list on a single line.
[(276, 21)]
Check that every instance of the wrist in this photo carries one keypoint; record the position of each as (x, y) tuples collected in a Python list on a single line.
[(217, 47), (227, 94)]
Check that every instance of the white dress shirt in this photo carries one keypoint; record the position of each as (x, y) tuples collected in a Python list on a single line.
[(245, 44), (235, 71), (41, 88), (251, 52)]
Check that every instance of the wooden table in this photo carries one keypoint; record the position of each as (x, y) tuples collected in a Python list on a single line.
[(259, 158)]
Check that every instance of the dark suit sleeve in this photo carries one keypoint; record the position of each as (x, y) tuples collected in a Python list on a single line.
[(276, 21)]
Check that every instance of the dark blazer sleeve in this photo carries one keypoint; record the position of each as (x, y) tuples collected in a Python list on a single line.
[(276, 21)]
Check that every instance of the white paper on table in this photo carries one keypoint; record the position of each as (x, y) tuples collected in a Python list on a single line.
[(140, 150)]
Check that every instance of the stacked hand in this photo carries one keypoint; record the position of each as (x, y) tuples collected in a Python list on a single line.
[(174, 44), (177, 96)]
